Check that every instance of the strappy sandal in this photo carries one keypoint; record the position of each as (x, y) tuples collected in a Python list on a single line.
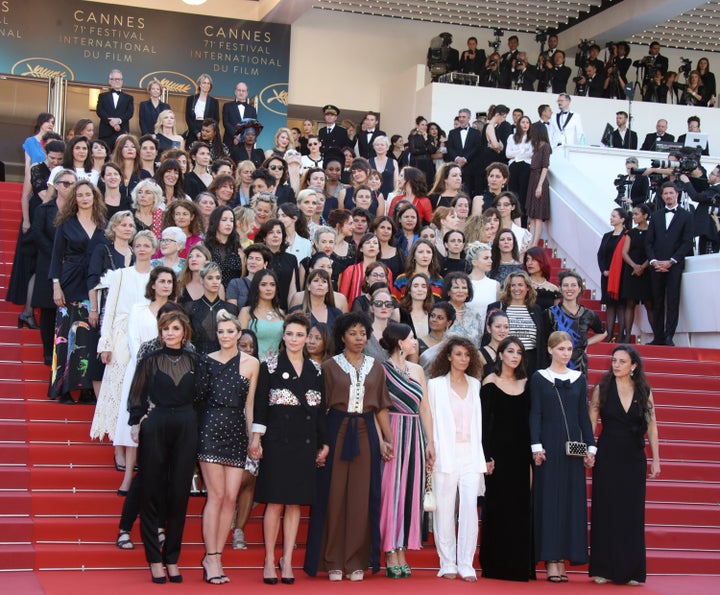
[(123, 541), (161, 536)]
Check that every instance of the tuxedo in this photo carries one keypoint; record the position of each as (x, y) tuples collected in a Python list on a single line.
[(212, 110), (525, 79), (474, 65), (106, 109), (594, 87), (566, 130), (652, 139), (336, 139), (231, 117), (469, 150), (557, 78), (630, 141), (673, 242), (507, 61), (703, 225), (364, 146)]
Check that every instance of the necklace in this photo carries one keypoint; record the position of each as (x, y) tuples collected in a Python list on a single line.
[(174, 360), (404, 371), (269, 314)]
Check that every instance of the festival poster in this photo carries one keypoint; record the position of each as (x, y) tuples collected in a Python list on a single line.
[(85, 40)]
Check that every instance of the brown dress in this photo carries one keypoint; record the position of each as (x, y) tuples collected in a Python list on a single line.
[(344, 529), (539, 208)]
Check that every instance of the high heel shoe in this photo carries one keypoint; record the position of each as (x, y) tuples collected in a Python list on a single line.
[(158, 580), (28, 320), (173, 578), (213, 580), (270, 580), (285, 580)]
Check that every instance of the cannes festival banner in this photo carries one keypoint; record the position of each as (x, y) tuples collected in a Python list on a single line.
[(85, 40)]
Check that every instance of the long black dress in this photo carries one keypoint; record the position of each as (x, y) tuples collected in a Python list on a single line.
[(292, 409), (506, 544), (604, 257), (618, 495), (223, 427), (559, 493), (633, 287)]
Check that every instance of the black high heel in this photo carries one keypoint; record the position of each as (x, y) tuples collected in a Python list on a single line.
[(27, 320), (284, 580), (158, 580), (213, 580), (174, 578)]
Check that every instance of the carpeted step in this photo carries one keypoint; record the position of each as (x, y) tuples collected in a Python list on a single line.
[(17, 556)]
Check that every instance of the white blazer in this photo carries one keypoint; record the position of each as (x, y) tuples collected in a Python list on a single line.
[(444, 424), (571, 132)]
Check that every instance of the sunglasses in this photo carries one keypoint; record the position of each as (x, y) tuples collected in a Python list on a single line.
[(381, 304), (276, 167), (63, 183)]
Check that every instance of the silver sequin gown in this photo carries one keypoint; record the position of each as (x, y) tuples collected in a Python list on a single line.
[(223, 429)]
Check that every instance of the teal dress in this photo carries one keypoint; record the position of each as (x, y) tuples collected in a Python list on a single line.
[(269, 334)]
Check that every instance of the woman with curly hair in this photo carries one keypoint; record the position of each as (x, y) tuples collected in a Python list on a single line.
[(624, 400), (453, 391)]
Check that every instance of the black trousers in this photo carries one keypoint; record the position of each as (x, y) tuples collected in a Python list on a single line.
[(666, 301), (47, 331), (518, 183), (167, 456)]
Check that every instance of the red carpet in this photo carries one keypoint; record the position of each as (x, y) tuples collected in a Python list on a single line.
[(60, 511)]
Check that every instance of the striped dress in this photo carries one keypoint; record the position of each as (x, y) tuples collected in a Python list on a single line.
[(403, 480)]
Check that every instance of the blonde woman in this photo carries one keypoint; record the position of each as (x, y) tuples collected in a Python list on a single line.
[(167, 135)]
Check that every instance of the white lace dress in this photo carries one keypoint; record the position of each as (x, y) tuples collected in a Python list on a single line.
[(126, 288)]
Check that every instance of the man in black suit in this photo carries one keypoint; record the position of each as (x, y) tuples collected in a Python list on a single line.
[(463, 144), (654, 61), (707, 194), (556, 75), (507, 62), (660, 135), (525, 75), (622, 137), (115, 108), (234, 112), (472, 60), (591, 84), (669, 239), (333, 136), (366, 136)]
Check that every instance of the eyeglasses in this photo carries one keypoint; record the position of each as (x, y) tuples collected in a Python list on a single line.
[(381, 304), (167, 240), (63, 183), (275, 167), (313, 144), (380, 275)]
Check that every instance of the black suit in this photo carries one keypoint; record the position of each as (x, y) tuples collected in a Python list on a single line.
[(231, 118), (652, 139), (703, 225), (470, 150), (630, 142), (212, 110), (674, 242), (365, 147), (148, 115), (557, 77), (106, 109), (595, 86), (337, 139), (506, 68), (525, 79)]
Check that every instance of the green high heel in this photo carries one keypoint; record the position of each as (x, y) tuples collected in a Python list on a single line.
[(392, 571)]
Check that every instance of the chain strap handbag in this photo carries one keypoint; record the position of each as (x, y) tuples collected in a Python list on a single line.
[(572, 448), (429, 502)]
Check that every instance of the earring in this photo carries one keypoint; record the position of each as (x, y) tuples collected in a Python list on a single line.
[(401, 352), (632, 372), (184, 342)]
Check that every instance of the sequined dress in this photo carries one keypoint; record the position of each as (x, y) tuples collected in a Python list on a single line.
[(223, 429)]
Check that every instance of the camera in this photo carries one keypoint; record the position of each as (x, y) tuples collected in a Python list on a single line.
[(577, 79), (684, 166), (492, 63), (685, 67)]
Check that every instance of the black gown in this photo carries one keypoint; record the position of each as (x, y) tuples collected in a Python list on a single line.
[(618, 495), (633, 287), (506, 544), (292, 408), (223, 427), (559, 492)]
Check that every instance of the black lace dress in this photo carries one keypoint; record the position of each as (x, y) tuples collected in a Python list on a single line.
[(202, 314)]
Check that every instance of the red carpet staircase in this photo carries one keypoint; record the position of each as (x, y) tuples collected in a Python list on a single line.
[(57, 487)]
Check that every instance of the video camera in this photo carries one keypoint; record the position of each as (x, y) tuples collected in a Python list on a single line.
[(685, 67)]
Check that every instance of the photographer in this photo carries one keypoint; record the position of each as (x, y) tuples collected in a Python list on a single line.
[(633, 188), (524, 76), (472, 60), (491, 76), (591, 84), (588, 54), (556, 75), (707, 194), (545, 59), (507, 62), (441, 58), (652, 62), (685, 161), (616, 69)]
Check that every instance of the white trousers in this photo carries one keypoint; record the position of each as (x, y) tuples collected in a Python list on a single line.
[(456, 555)]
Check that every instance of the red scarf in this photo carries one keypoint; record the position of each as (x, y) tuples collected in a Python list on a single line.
[(615, 274)]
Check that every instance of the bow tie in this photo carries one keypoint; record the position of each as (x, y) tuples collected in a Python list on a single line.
[(671, 210), (241, 103), (564, 113), (562, 383), (117, 92), (546, 123)]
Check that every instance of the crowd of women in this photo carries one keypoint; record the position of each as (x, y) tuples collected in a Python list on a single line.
[(291, 338)]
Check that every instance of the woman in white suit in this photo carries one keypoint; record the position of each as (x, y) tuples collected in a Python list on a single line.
[(454, 397)]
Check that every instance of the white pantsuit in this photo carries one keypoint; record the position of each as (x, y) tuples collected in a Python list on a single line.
[(459, 469)]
